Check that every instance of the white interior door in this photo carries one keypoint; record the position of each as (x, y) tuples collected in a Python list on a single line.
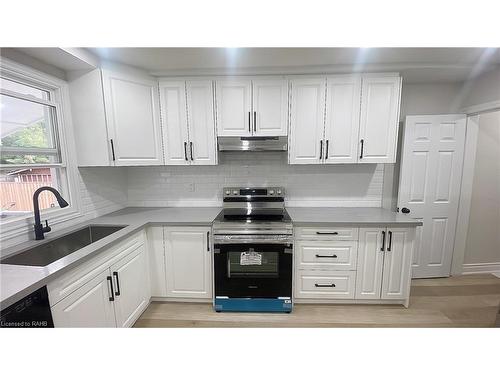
[(174, 121), (343, 100), (132, 114), (307, 110), (200, 110), (429, 187), (270, 106), (233, 98)]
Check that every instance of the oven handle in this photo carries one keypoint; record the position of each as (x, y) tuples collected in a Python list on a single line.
[(226, 241)]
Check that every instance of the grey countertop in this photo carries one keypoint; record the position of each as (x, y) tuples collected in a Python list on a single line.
[(17, 282), (366, 216)]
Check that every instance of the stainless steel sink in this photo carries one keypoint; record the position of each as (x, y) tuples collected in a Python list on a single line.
[(58, 248)]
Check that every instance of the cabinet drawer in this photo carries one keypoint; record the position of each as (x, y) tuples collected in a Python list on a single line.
[(326, 233), (325, 284), (334, 255), (75, 278)]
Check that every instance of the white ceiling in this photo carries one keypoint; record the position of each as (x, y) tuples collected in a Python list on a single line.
[(415, 64)]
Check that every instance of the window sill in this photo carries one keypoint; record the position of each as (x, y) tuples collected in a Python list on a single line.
[(19, 226)]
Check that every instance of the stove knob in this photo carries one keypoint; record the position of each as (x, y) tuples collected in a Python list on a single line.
[(228, 192), (235, 192), (279, 192), (271, 192)]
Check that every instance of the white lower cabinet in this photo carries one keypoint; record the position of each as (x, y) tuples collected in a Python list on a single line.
[(89, 306), (188, 262), (325, 284), (384, 263), (114, 297)]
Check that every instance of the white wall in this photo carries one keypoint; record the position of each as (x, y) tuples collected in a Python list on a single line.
[(317, 185), (483, 89), (483, 236)]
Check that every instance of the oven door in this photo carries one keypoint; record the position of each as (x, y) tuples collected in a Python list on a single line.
[(269, 275)]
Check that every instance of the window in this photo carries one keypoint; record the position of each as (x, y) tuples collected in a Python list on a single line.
[(30, 154)]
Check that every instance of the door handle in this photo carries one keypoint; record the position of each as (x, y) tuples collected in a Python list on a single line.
[(254, 121), (362, 148), (112, 149), (117, 293), (383, 241), (208, 241), (405, 210), (326, 153), (390, 241), (326, 256), (191, 149), (320, 149), (112, 298), (185, 151), (332, 285)]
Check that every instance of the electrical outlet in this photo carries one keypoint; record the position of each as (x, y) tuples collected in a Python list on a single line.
[(191, 187)]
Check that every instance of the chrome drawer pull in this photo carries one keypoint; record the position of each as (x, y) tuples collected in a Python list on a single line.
[(326, 256), (324, 285), (330, 233)]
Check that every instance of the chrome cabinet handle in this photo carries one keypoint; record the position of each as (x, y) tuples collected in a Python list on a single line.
[(191, 149), (383, 241), (332, 285), (117, 293), (326, 256), (185, 151), (112, 298)]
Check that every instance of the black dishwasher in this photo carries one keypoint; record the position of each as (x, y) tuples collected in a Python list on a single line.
[(33, 311)]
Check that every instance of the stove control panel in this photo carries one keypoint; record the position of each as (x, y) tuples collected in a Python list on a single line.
[(255, 192)]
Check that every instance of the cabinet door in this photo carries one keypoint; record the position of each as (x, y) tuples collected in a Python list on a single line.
[(200, 113), (343, 100), (397, 263), (307, 111), (132, 114), (131, 287), (188, 262), (270, 107), (156, 247), (174, 122), (370, 263), (88, 306), (233, 107), (378, 129)]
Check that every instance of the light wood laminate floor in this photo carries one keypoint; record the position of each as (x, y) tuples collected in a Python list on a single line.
[(463, 301)]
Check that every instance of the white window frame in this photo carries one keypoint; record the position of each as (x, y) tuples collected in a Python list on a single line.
[(69, 178)]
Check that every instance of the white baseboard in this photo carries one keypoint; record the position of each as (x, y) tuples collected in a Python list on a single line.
[(472, 268)]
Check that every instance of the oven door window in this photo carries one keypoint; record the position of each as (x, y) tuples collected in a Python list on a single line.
[(268, 268)]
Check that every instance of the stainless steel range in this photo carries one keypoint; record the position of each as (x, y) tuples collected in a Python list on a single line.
[(253, 251)]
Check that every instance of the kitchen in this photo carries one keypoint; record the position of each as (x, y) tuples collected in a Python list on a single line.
[(249, 187)]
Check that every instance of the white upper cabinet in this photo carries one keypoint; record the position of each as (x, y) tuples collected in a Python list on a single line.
[(343, 100), (132, 113), (201, 121), (307, 110), (174, 121), (188, 122), (234, 107), (379, 118), (270, 107)]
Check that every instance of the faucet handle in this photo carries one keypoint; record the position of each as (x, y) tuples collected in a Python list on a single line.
[(47, 228)]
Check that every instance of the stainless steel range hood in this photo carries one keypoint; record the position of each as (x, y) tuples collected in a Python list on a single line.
[(252, 143)]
